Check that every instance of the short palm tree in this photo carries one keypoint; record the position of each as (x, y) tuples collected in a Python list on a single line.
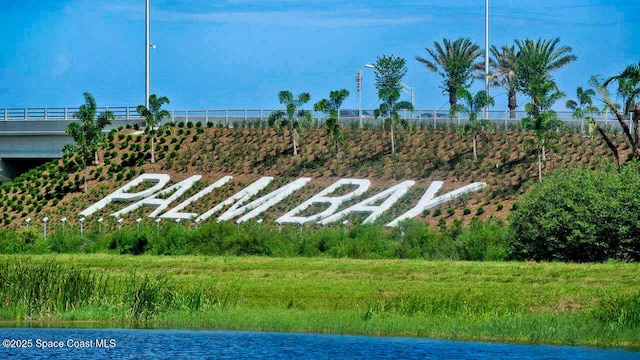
[(455, 62), (88, 133), (332, 105), (153, 116), (628, 88), (472, 105), (583, 106), (542, 120), (293, 118)]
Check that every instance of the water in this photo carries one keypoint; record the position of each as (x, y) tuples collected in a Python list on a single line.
[(185, 344)]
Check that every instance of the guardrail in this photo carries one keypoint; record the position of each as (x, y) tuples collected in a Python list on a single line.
[(351, 117)]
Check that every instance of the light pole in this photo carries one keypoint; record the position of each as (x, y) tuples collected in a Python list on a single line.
[(408, 90), (146, 62), (359, 90), (486, 55)]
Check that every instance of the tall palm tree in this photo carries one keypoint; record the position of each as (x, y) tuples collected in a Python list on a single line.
[(503, 73), (87, 134), (296, 120), (455, 63), (153, 116), (332, 105), (535, 60)]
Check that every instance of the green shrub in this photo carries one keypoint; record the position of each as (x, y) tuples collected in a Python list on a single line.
[(579, 215), (483, 241)]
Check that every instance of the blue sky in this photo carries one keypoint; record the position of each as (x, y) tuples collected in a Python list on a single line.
[(237, 54)]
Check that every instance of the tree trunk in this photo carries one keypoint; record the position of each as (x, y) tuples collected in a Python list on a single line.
[(512, 104), (453, 96), (393, 145), (544, 154), (475, 155), (153, 149), (539, 165), (636, 118), (96, 160), (294, 135), (611, 146)]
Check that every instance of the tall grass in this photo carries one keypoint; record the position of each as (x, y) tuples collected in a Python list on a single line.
[(594, 304), (45, 290)]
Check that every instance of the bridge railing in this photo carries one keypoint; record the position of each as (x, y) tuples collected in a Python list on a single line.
[(349, 117)]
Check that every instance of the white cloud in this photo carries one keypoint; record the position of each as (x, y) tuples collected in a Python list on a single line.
[(297, 18), (61, 66)]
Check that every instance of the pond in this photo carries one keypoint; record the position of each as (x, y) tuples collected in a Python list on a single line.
[(46, 343)]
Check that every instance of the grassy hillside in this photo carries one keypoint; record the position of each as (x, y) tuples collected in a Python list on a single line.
[(56, 189)]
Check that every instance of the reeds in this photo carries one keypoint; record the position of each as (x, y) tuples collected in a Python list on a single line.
[(37, 291)]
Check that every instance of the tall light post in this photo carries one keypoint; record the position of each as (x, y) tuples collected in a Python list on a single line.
[(408, 90), (359, 90), (486, 54), (147, 45)]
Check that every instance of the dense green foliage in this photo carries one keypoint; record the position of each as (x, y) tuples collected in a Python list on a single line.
[(413, 239), (579, 215)]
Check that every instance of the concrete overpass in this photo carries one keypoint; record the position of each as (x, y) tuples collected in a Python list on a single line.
[(29, 137)]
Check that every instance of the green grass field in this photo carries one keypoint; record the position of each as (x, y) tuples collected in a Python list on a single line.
[(586, 304)]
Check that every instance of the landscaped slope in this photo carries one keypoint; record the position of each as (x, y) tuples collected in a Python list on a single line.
[(424, 155)]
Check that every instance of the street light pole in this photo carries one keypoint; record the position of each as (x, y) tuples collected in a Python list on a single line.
[(486, 55), (408, 90), (146, 63), (359, 89)]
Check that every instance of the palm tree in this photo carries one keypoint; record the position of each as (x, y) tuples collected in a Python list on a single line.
[(153, 116), (87, 134), (472, 105), (332, 105), (541, 119), (535, 60), (629, 89), (389, 71), (455, 63), (583, 106), (296, 120), (503, 73)]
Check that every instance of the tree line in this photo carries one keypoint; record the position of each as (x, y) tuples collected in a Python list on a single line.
[(525, 68)]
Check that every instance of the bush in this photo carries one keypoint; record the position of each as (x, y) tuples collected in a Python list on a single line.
[(580, 216), (483, 241)]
